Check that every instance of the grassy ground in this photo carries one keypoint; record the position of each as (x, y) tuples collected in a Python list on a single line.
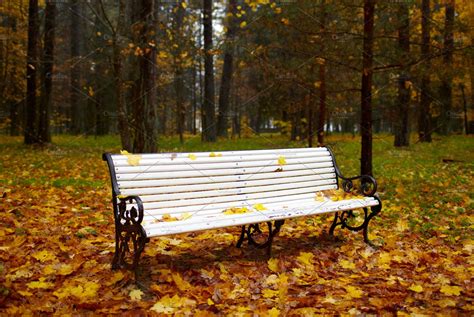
[(56, 240)]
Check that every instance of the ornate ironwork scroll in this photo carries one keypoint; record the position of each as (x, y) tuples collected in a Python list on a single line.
[(257, 238), (130, 237)]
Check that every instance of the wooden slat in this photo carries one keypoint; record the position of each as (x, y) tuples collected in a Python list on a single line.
[(168, 155), (244, 189), (193, 165), (316, 168), (218, 221), (162, 185), (204, 201)]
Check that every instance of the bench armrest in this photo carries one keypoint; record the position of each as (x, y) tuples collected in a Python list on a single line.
[(133, 215), (368, 184)]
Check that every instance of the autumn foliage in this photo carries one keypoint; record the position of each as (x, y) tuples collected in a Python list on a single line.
[(57, 242)]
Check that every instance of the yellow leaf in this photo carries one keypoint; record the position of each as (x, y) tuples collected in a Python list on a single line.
[(281, 160), (285, 21), (353, 292), (91, 91), (243, 24), (347, 264), (132, 159), (210, 302), (44, 256), (259, 207), (169, 305), (212, 154), (185, 216), (40, 284), (192, 156), (320, 197), (273, 265), (183, 285), (269, 293), (135, 294), (416, 288), (450, 290), (25, 293), (235, 210), (305, 258), (274, 312), (85, 290), (184, 5), (118, 276)]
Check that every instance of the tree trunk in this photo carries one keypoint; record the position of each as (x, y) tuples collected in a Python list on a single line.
[(208, 108), (227, 72), (30, 133), (75, 73), (145, 118), (44, 135), (366, 90), (402, 135), (322, 80), (445, 90), (424, 119), (122, 113), (178, 75)]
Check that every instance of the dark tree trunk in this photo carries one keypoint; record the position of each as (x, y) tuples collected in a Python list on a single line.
[(145, 116), (227, 71), (178, 74), (75, 73), (424, 119), (31, 132), (309, 105), (445, 90), (122, 113), (322, 80), (208, 108), (366, 90), (402, 136), (44, 134)]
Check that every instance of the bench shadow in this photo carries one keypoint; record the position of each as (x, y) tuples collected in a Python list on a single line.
[(207, 256)]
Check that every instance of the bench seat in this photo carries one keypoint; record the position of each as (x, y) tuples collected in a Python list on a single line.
[(171, 193)]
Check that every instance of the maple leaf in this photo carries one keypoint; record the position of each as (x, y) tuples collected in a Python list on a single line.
[(353, 292), (347, 264), (305, 258), (192, 157), (259, 207), (274, 312), (40, 284), (169, 305), (273, 265), (236, 210), (44, 256), (450, 290), (135, 294), (416, 288), (182, 284), (132, 159), (281, 160)]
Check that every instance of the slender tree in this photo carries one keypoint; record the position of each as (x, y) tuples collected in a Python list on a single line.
[(446, 89), (31, 132), (424, 119), (322, 79), (179, 72), (76, 113), (227, 71), (402, 136), (44, 134), (208, 108), (366, 90)]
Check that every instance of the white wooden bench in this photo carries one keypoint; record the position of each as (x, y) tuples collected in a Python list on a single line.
[(171, 193)]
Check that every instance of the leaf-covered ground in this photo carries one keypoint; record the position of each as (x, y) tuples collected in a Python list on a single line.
[(56, 241)]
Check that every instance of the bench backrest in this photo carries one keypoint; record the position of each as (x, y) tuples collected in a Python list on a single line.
[(178, 183)]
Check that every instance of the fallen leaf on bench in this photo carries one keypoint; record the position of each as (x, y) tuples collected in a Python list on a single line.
[(192, 157), (212, 154), (259, 207), (135, 294), (185, 216), (236, 210), (281, 160), (167, 218), (132, 159)]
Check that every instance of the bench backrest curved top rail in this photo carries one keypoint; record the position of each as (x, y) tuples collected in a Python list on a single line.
[(177, 183)]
